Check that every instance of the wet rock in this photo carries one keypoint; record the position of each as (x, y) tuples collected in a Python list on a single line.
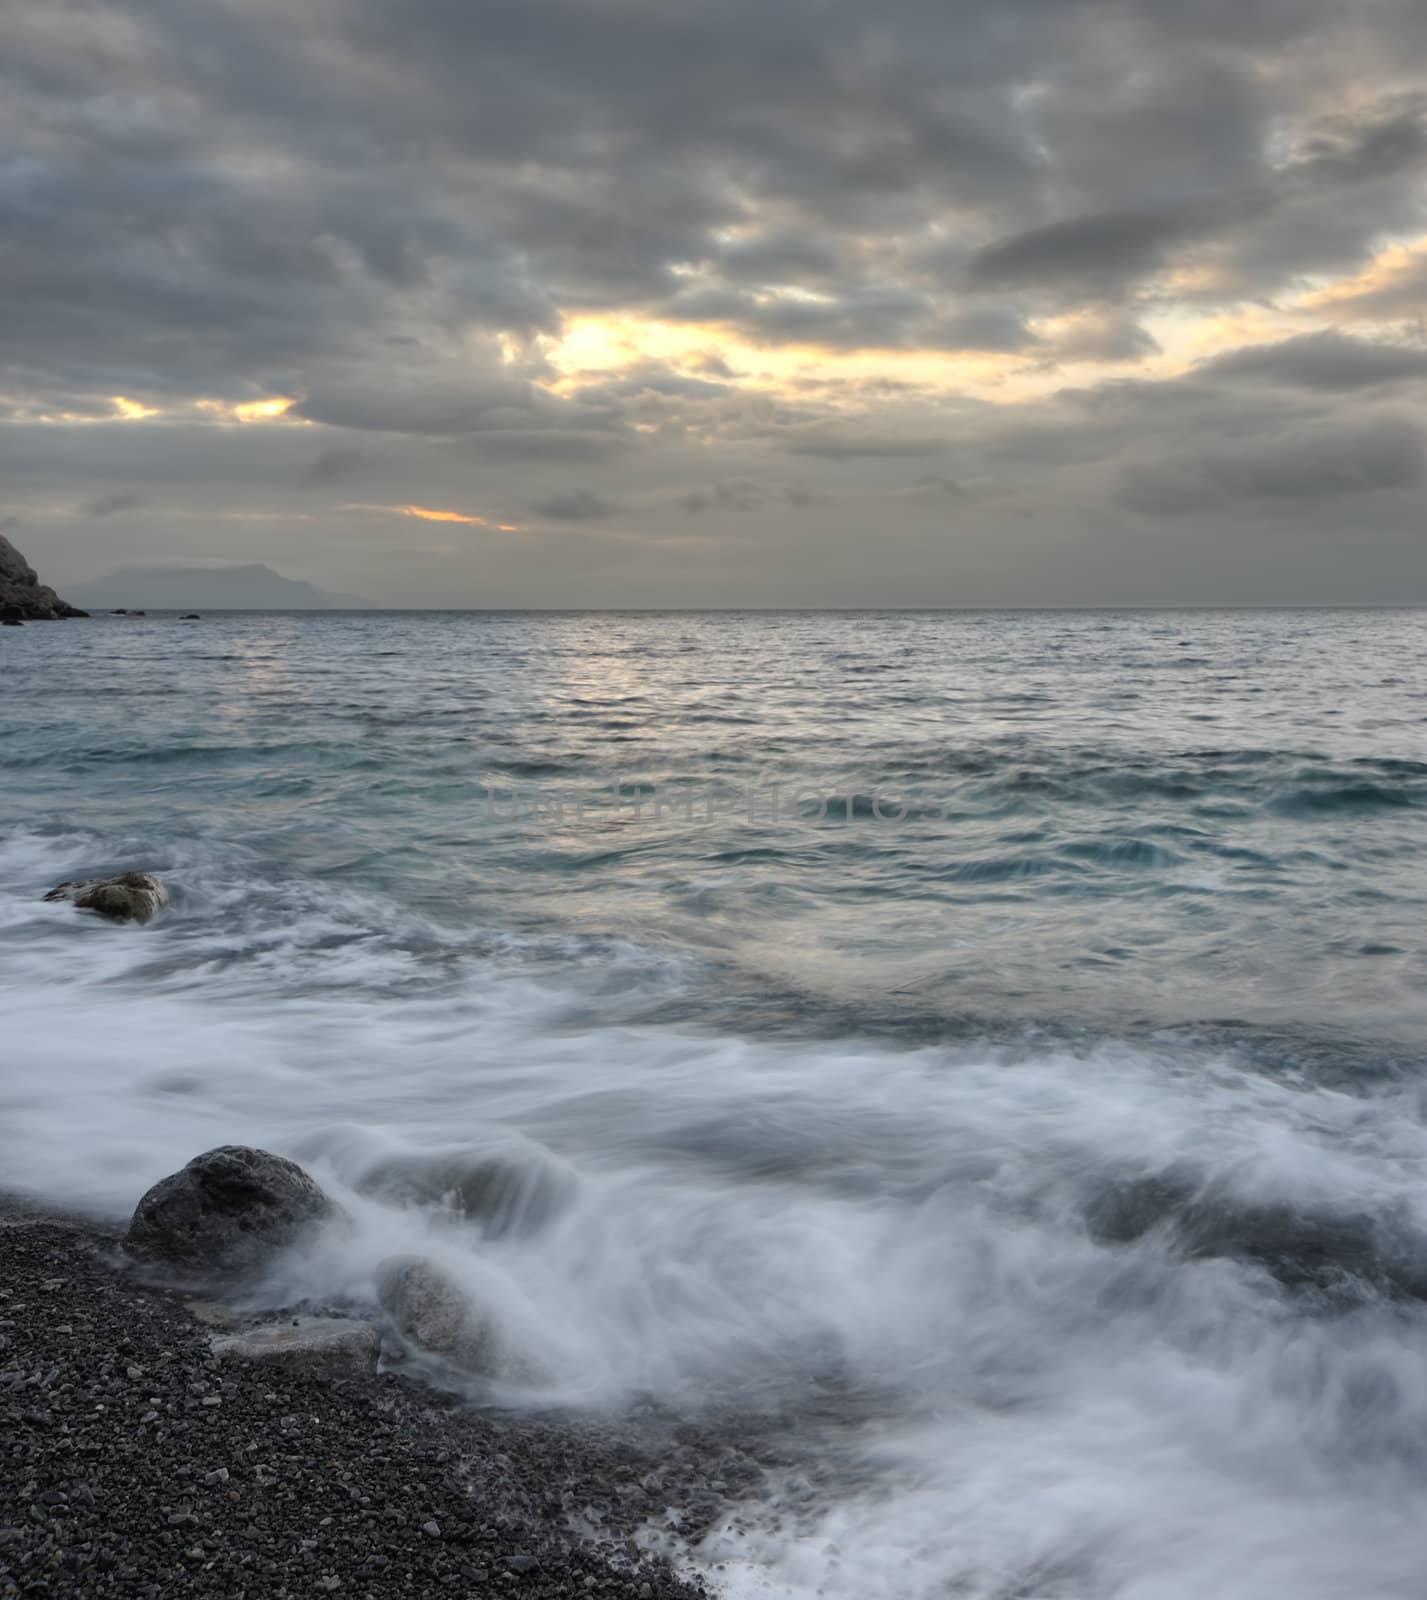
[(127, 897), (331, 1346), (226, 1212)]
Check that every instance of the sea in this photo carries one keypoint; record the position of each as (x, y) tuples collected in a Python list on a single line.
[(985, 1050)]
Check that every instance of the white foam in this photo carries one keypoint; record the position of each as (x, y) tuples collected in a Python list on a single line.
[(1032, 1411)]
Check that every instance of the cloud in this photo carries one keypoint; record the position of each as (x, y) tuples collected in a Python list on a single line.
[(1094, 254), (1326, 360), (438, 514), (836, 444), (735, 494), (332, 465), (1382, 455), (1392, 286), (574, 505), (111, 505), (545, 445), (1099, 337), (932, 490), (425, 399), (492, 251)]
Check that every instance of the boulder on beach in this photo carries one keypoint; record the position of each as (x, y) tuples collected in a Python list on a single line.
[(227, 1212), (327, 1346), (126, 897), (23, 598)]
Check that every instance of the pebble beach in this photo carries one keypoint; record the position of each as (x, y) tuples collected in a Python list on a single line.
[(135, 1463)]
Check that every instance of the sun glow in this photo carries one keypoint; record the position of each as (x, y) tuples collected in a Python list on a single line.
[(438, 514), (262, 410), (604, 346), (1395, 268), (429, 514)]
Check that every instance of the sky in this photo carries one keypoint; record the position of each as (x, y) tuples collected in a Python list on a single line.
[(721, 302)]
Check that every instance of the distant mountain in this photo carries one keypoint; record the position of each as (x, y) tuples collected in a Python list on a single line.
[(180, 588)]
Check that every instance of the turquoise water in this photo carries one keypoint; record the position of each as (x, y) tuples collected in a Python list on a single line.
[(1010, 1024)]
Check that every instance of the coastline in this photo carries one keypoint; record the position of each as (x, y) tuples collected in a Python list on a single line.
[(136, 1463)]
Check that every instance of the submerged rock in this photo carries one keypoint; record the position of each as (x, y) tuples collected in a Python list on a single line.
[(435, 1317), (514, 1187), (228, 1211), (127, 897), (22, 596), (335, 1346)]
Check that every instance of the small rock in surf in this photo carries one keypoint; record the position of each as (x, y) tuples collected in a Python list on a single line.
[(128, 897), (434, 1316)]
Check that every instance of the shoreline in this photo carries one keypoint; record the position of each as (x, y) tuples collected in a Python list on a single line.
[(134, 1462)]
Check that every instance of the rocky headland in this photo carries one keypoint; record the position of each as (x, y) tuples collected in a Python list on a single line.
[(23, 598)]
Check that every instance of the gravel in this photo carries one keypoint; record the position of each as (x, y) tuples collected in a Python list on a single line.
[(134, 1463)]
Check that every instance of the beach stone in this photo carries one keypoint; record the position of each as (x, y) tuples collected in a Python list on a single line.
[(126, 897), (434, 1315), (226, 1212), (336, 1346)]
